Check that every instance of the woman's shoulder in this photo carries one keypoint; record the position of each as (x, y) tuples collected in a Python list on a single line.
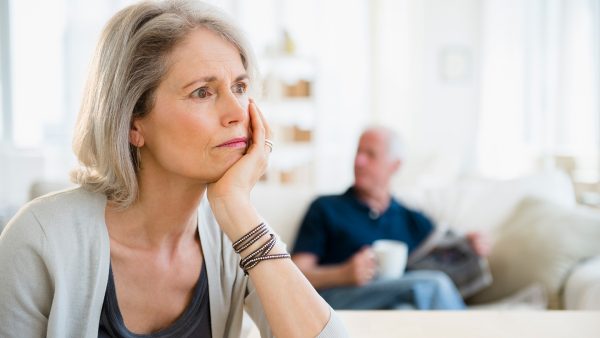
[(54, 243), (63, 213), (76, 194), (64, 204)]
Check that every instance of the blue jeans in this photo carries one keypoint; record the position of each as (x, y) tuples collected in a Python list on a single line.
[(422, 290)]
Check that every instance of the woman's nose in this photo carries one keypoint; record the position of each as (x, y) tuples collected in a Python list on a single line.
[(234, 109)]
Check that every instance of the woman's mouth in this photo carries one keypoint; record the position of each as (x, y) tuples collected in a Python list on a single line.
[(238, 142)]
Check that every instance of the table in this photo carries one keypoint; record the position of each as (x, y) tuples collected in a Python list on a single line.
[(470, 324)]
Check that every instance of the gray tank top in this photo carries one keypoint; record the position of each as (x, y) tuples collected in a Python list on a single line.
[(194, 322)]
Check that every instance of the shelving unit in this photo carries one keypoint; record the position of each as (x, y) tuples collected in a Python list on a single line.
[(289, 104), (306, 85)]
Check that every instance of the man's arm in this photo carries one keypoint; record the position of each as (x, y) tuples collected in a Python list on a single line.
[(356, 271)]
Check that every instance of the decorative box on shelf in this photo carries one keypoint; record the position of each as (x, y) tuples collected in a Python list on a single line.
[(290, 107)]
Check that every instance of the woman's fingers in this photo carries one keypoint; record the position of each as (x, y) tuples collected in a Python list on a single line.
[(244, 174), (265, 124), (261, 132), (258, 130)]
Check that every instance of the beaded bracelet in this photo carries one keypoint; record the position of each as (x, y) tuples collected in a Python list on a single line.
[(262, 251), (260, 254), (254, 261), (251, 241), (250, 238)]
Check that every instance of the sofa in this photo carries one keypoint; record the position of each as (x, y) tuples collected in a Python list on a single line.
[(545, 247)]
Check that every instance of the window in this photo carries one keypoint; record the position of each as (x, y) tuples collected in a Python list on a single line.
[(45, 57), (540, 86), (4, 73)]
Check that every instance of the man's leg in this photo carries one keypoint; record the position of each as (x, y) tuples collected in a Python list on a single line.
[(377, 295), (423, 290), (433, 290)]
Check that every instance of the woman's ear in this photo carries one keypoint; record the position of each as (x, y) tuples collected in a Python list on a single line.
[(135, 134)]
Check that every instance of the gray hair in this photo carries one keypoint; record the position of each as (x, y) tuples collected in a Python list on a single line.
[(129, 63), (395, 145)]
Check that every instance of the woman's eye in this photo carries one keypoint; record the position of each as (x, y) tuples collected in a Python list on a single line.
[(201, 93), (240, 88)]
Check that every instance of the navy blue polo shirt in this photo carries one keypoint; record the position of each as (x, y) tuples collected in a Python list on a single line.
[(335, 227)]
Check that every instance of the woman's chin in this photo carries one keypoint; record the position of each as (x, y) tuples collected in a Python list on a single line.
[(222, 169)]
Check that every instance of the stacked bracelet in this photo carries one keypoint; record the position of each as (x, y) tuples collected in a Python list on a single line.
[(260, 254), (250, 238)]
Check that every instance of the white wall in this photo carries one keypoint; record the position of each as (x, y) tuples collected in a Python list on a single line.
[(427, 83), (344, 91), (335, 37)]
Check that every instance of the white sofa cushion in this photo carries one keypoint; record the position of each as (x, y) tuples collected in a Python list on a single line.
[(582, 289), (541, 242), (283, 207), (478, 204)]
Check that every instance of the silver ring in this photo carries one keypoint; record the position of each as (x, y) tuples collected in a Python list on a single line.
[(269, 144)]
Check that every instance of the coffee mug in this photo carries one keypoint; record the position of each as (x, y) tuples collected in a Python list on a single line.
[(391, 258)]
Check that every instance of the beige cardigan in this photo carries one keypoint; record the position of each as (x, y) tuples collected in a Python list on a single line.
[(54, 260)]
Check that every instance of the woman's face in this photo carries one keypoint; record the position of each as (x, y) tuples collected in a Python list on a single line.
[(198, 126)]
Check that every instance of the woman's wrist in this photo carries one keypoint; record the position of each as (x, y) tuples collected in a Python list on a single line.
[(235, 215)]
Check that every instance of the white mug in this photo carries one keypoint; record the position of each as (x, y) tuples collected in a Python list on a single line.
[(391, 258)]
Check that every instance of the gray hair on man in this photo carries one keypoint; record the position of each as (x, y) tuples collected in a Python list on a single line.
[(395, 145), (129, 63)]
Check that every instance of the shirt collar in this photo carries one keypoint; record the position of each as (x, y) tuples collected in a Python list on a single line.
[(351, 193)]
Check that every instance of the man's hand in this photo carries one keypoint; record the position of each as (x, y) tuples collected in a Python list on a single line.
[(480, 243), (361, 267)]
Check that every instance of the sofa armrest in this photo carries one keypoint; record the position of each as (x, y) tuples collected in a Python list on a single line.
[(582, 287)]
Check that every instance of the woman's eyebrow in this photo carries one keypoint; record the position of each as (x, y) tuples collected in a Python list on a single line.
[(202, 79), (242, 77), (211, 78)]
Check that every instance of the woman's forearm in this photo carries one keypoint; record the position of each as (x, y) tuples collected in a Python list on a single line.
[(330, 276), (292, 306)]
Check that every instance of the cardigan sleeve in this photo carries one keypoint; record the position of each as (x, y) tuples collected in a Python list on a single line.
[(255, 310), (334, 328), (25, 283)]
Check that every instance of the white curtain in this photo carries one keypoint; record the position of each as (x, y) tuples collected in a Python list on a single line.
[(539, 86)]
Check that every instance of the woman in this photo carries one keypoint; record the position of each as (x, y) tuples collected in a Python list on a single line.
[(170, 146)]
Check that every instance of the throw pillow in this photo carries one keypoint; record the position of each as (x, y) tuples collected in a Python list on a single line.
[(540, 243)]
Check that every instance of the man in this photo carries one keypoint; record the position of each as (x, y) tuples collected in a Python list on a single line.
[(333, 244)]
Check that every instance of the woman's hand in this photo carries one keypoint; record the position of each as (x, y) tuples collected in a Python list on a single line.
[(297, 313), (230, 195)]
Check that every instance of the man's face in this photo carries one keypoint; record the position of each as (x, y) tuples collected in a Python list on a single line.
[(373, 166)]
